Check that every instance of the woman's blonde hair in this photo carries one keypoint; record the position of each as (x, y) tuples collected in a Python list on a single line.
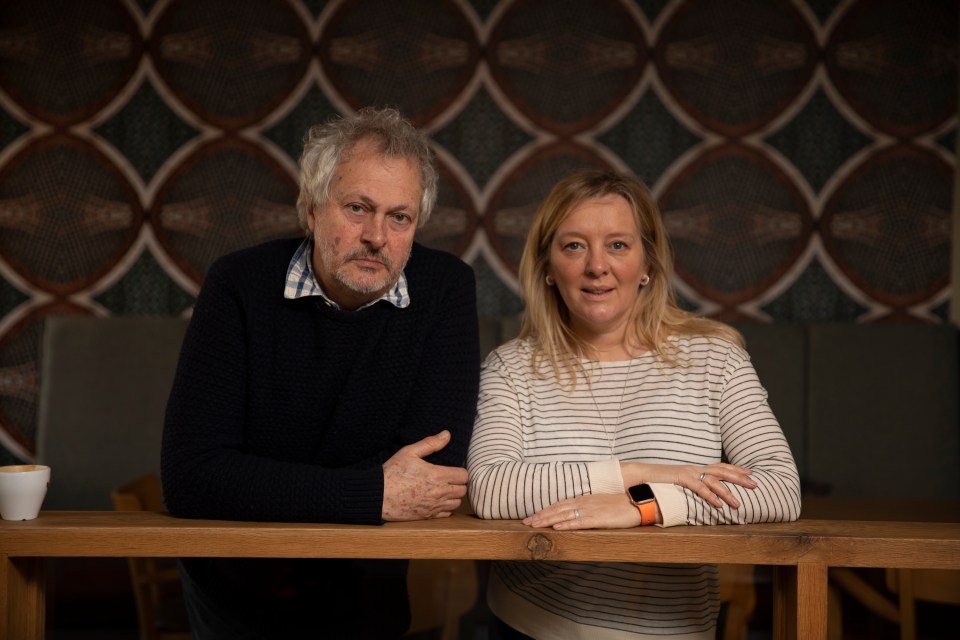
[(655, 317)]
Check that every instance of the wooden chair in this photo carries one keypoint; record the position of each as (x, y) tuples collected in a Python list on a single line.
[(156, 581), (909, 585), (441, 592), (931, 585), (738, 591)]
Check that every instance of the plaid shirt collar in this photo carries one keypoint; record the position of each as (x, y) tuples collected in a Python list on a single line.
[(301, 282)]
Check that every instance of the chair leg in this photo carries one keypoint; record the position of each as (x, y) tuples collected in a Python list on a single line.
[(865, 593), (834, 614), (908, 612), (738, 590)]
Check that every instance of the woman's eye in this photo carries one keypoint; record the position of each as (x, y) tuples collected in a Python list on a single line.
[(572, 246), (618, 246)]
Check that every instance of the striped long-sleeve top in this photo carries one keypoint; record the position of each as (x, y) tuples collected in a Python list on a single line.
[(536, 442)]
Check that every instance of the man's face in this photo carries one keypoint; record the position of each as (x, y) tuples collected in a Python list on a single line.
[(364, 232)]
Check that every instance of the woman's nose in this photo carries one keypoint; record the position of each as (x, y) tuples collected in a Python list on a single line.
[(596, 263)]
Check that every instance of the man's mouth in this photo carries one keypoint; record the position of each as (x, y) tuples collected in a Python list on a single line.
[(369, 261)]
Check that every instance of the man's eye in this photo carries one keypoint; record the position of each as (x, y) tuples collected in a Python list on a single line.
[(355, 208)]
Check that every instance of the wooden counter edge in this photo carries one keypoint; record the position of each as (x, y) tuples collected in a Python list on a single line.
[(828, 542)]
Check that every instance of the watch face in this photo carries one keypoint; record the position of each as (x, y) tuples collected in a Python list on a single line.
[(641, 493)]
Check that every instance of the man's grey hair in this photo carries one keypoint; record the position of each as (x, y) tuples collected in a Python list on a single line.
[(325, 145)]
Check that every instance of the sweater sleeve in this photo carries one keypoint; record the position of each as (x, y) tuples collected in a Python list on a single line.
[(222, 455), (751, 438), (206, 468), (502, 484), (445, 393)]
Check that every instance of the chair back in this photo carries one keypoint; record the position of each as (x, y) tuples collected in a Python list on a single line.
[(104, 384)]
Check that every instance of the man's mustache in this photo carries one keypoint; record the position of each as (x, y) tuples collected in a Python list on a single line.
[(371, 254)]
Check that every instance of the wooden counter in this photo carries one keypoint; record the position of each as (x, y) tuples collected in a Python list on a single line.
[(800, 552)]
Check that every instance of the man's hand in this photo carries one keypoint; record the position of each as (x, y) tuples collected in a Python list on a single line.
[(414, 489)]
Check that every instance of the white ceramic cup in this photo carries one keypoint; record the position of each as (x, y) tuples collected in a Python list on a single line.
[(22, 489)]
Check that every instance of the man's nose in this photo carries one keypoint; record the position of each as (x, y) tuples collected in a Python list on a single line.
[(374, 231)]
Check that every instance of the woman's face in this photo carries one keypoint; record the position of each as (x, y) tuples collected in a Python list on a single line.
[(597, 261)]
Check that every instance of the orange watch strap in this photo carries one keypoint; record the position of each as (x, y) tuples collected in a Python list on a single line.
[(648, 512)]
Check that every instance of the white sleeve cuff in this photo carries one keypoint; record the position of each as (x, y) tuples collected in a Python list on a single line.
[(672, 503), (605, 476)]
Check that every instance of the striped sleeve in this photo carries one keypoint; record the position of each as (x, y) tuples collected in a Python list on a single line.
[(751, 437), (535, 443), (508, 479)]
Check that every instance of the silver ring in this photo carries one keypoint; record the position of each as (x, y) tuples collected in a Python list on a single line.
[(576, 514), (702, 475)]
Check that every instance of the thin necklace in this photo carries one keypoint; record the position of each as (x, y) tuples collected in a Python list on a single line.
[(611, 433)]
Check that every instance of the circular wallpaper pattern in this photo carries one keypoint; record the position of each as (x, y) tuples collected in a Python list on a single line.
[(897, 65), (888, 225), (62, 61), (68, 214), (713, 226), (380, 52), (226, 196), (803, 152), (230, 70), (734, 65), (566, 65)]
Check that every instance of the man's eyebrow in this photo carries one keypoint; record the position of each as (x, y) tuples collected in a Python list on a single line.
[(353, 195)]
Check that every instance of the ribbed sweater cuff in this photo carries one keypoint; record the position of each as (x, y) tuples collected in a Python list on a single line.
[(363, 498), (672, 503), (605, 476)]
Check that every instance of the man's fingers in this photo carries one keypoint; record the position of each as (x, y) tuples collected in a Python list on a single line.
[(429, 445), (452, 475)]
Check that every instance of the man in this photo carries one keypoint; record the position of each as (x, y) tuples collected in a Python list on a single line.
[(332, 379)]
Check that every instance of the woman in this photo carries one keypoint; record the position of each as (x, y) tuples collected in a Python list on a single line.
[(614, 408)]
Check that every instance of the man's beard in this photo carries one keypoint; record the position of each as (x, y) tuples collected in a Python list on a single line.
[(341, 275)]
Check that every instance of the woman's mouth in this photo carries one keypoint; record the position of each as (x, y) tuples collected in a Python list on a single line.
[(596, 291)]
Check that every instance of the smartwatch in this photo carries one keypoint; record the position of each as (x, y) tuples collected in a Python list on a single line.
[(641, 495)]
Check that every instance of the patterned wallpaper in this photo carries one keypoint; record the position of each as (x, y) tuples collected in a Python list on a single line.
[(803, 152)]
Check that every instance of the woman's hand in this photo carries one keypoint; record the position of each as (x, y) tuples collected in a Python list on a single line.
[(591, 511), (706, 481)]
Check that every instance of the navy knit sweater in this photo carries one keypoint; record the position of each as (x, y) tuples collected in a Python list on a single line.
[(285, 410)]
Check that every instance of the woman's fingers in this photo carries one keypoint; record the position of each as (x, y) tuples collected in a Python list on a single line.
[(731, 473), (714, 491), (555, 513), (592, 511), (710, 483)]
